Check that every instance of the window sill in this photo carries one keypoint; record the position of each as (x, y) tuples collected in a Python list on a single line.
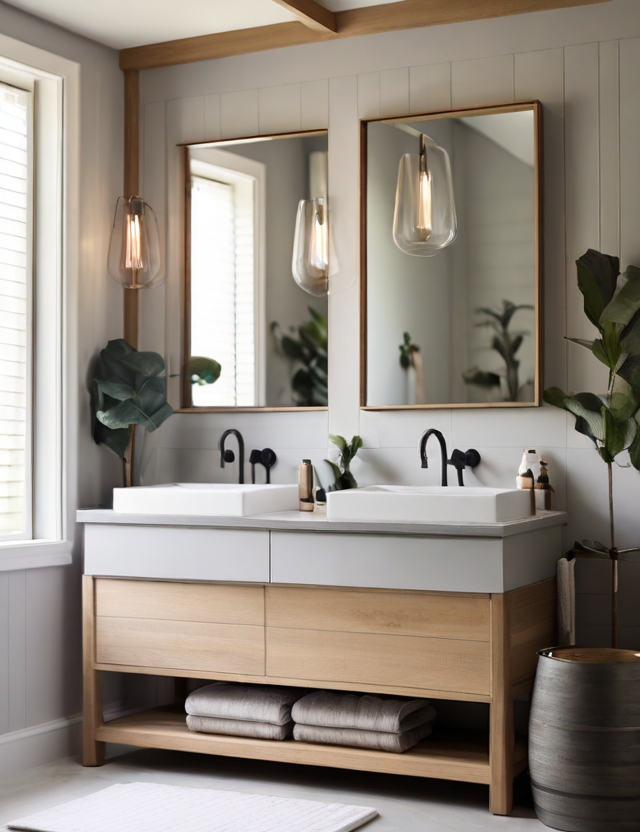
[(34, 554)]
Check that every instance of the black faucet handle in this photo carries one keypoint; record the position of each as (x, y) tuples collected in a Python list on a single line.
[(472, 458), (228, 456), (458, 459)]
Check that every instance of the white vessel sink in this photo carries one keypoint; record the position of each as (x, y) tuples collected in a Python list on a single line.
[(213, 499), (429, 504)]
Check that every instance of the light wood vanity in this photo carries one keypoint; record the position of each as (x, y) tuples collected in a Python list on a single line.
[(222, 618)]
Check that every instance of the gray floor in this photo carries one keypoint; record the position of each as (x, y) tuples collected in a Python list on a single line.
[(405, 804)]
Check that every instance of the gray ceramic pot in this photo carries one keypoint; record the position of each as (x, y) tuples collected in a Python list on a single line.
[(584, 739)]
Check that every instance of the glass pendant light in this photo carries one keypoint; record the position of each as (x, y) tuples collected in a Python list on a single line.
[(310, 262), (424, 220), (134, 250)]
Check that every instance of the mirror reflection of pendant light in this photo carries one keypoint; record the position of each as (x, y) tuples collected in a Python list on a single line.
[(424, 220), (134, 249), (310, 262)]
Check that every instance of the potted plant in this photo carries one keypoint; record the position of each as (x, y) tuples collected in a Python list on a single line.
[(128, 391), (584, 753), (343, 478)]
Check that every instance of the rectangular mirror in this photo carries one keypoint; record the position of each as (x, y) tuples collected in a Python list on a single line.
[(452, 316), (252, 338)]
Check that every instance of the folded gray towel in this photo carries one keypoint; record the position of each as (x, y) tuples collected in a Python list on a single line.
[(361, 712), (377, 740), (239, 728), (253, 703)]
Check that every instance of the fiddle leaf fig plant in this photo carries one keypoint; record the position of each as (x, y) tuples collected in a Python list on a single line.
[(309, 350), (610, 420), (344, 479), (128, 391)]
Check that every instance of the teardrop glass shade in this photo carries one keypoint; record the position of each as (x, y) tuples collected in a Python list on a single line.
[(424, 221), (310, 261), (134, 249)]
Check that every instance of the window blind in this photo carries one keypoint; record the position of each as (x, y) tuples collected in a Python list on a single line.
[(222, 290), (15, 323)]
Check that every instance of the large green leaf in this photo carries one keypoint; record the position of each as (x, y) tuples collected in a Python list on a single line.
[(615, 434), (203, 370), (634, 450), (481, 378), (626, 302), (129, 391), (597, 278)]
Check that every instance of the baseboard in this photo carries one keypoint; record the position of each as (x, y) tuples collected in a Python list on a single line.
[(40, 744)]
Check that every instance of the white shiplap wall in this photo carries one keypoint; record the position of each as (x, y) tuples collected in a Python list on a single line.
[(584, 65)]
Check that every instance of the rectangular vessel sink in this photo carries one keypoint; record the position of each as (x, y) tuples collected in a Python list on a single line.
[(213, 499), (429, 504)]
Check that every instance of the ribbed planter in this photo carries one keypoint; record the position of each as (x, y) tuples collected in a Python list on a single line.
[(584, 740)]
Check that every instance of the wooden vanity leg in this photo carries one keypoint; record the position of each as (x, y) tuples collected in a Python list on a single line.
[(501, 727), (92, 750)]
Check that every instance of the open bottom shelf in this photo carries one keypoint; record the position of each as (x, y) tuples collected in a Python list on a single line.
[(446, 756)]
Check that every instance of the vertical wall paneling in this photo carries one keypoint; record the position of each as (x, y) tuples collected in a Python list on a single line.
[(344, 300), (482, 82), (430, 88), (239, 114), (17, 650), (152, 301), (630, 152), (394, 92), (582, 166), (314, 105), (369, 95), (279, 109), (212, 117), (540, 76), (609, 99), (4, 652), (185, 123)]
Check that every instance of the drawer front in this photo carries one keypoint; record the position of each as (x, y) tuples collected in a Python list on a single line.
[(179, 554), (443, 564), (398, 613), (150, 624), (396, 639), (396, 661), (212, 603)]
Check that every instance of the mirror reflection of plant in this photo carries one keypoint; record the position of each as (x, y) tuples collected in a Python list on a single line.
[(129, 391), (506, 344), (203, 370), (406, 348), (309, 348), (610, 421), (344, 479)]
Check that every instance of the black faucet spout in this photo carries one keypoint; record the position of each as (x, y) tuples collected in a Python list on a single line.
[(228, 456), (443, 451)]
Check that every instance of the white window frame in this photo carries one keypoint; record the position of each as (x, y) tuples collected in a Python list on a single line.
[(56, 85), (221, 160)]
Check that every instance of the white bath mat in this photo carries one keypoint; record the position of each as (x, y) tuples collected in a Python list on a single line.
[(150, 807)]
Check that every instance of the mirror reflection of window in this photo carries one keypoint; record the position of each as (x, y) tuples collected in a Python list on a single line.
[(255, 338)]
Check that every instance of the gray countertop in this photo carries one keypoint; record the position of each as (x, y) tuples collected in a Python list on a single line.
[(316, 521)]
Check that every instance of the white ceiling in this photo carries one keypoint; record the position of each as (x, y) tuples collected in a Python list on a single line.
[(123, 23)]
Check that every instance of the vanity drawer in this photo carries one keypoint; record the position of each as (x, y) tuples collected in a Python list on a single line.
[(176, 553), (195, 627), (391, 639), (436, 615)]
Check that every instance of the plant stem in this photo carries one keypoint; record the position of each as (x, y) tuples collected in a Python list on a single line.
[(127, 459), (614, 565)]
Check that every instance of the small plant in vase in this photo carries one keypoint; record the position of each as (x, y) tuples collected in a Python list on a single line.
[(344, 479), (129, 391)]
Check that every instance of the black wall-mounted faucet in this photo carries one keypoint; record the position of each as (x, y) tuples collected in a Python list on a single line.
[(267, 458), (229, 456), (443, 451)]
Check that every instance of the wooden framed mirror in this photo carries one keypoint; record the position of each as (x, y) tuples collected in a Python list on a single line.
[(461, 327), (252, 339)]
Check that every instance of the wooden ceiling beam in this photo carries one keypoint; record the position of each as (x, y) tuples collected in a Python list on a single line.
[(370, 20), (312, 14)]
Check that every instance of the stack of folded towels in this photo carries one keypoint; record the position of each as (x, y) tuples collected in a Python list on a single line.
[(378, 722), (259, 711)]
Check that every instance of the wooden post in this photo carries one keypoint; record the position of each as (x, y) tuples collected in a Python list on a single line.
[(501, 728), (131, 186), (92, 751)]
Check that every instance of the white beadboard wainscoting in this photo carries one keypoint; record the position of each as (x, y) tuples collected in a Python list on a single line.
[(583, 64)]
